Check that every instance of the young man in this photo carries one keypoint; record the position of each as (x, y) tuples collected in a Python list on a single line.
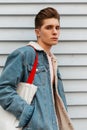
[(42, 113)]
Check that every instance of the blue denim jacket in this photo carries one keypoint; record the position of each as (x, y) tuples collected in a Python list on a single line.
[(40, 114)]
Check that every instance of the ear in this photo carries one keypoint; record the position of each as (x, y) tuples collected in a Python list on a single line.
[(37, 31)]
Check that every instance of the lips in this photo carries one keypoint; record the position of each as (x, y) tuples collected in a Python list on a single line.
[(54, 38)]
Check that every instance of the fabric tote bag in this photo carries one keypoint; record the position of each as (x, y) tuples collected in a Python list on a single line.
[(27, 91)]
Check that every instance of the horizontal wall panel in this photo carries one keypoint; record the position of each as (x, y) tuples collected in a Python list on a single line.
[(70, 47), (73, 34), (28, 21), (78, 99), (73, 72), (80, 124), (73, 21), (29, 34), (72, 60), (62, 48), (3, 60), (41, 1), (77, 111), (10, 46), (17, 34), (16, 9), (16, 21), (75, 85)]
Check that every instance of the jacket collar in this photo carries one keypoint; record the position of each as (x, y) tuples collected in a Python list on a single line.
[(39, 48), (36, 46)]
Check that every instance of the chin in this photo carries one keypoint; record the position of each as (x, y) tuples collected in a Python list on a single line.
[(55, 43)]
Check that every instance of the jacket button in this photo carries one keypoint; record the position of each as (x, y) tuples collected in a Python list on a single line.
[(36, 70)]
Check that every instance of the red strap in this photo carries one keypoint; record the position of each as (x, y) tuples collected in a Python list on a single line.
[(33, 71)]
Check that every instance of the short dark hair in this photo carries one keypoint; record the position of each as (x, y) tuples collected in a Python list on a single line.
[(45, 13)]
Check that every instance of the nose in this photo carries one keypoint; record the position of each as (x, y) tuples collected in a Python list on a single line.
[(55, 31)]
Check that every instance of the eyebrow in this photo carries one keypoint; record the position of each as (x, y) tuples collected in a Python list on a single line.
[(52, 25)]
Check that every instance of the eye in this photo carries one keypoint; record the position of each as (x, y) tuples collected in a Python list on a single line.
[(49, 27), (57, 27)]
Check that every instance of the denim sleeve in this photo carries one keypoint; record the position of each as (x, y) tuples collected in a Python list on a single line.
[(9, 99), (61, 90)]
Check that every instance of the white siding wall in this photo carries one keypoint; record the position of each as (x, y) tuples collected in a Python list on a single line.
[(16, 29)]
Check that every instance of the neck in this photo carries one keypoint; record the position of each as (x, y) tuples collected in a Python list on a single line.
[(46, 47)]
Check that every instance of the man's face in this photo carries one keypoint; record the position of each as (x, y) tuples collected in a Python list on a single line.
[(49, 32)]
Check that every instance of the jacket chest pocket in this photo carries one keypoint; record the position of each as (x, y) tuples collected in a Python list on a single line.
[(40, 76)]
